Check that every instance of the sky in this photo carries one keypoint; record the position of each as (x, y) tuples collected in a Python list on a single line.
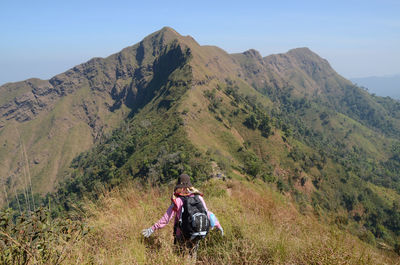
[(43, 38)]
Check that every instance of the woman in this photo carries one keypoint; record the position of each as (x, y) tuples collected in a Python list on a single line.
[(182, 191)]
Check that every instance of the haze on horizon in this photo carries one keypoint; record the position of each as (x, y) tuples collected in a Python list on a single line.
[(44, 38)]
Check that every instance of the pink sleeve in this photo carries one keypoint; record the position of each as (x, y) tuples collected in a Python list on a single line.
[(165, 219), (204, 203), (217, 224)]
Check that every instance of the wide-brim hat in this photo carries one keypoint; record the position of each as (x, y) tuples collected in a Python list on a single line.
[(183, 181)]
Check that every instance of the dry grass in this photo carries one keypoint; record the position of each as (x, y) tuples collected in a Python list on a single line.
[(261, 227)]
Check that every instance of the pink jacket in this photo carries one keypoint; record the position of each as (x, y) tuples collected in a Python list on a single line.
[(177, 209)]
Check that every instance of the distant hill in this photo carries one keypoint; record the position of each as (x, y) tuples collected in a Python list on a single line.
[(384, 86), (168, 105)]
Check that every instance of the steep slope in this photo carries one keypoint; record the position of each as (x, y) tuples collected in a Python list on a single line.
[(300, 73), (292, 120), (307, 129)]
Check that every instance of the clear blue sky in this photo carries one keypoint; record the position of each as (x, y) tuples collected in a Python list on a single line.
[(42, 38)]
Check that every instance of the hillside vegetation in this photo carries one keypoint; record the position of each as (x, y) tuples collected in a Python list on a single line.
[(261, 227)]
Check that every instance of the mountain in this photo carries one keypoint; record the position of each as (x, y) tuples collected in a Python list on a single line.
[(45, 123), (384, 86), (168, 105)]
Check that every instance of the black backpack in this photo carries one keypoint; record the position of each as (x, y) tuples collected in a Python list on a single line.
[(193, 221)]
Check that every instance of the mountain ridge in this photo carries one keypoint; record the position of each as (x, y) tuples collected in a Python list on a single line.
[(113, 76)]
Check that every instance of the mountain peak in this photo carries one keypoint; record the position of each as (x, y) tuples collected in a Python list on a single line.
[(253, 54), (166, 33), (165, 36), (167, 29), (309, 61), (305, 54), (301, 50)]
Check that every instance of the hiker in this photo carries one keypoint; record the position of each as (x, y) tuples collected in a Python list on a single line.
[(188, 198)]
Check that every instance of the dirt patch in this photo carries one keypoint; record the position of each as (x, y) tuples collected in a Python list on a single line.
[(229, 191), (280, 172), (305, 185)]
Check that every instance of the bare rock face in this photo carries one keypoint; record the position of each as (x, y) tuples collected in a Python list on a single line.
[(254, 54), (40, 95)]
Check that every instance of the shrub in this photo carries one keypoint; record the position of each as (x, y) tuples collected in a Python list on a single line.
[(252, 122), (36, 237)]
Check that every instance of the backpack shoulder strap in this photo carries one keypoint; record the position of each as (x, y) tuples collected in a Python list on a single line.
[(184, 200)]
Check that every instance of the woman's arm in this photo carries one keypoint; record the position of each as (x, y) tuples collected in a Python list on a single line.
[(216, 222), (165, 219)]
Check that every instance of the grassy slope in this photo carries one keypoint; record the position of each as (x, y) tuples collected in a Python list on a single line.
[(261, 227), (52, 140)]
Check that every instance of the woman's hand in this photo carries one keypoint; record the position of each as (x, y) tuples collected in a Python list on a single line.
[(147, 232), (221, 230)]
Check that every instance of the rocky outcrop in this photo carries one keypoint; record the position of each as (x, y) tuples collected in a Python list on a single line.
[(40, 96)]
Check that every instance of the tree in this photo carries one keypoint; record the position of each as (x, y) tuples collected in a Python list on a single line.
[(251, 122), (265, 127)]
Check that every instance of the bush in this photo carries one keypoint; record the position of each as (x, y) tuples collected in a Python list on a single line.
[(36, 237), (251, 122), (268, 177), (252, 164)]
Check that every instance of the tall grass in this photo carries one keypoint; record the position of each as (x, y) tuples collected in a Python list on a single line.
[(261, 227)]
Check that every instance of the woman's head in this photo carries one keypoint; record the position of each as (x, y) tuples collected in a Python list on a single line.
[(183, 182)]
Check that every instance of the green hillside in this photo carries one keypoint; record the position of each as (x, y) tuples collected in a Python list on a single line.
[(284, 125)]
